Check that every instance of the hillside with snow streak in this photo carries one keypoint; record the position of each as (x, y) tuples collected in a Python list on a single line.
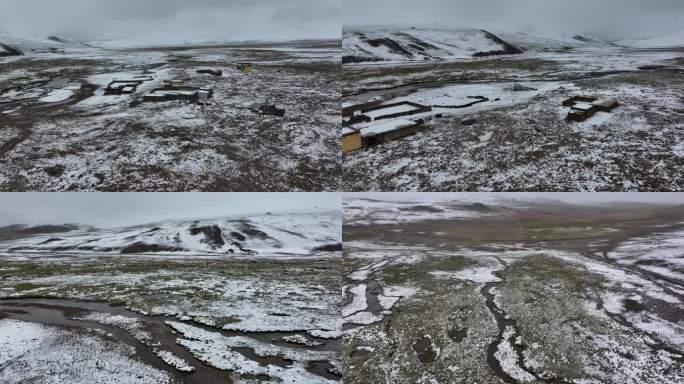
[(407, 44), (393, 44), (12, 45), (302, 233), (668, 41)]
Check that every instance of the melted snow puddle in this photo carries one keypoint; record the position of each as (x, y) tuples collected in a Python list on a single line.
[(156, 336)]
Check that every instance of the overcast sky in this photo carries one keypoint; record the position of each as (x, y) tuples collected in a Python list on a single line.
[(169, 21), (601, 198), (612, 19), (119, 209)]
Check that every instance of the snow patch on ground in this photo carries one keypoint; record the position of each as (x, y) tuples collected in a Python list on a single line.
[(478, 275), (391, 294), (171, 359), (19, 337), (31, 352), (363, 318), (358, 302), (617, 277), (325, 334), (660, 252), (508, 358), (56, 96), (301, 340), (129, 324), (219, 351), (645, 365), (387, 302), (360, 275)]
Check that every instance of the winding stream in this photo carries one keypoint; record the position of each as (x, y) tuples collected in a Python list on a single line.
[(503, 322)]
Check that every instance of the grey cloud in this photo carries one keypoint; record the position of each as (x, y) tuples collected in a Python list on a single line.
[(118, 209), (612, 19), (173, 20)]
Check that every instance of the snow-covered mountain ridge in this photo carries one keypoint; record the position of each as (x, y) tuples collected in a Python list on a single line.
[(263, 235), (368, 44), (11, 45), (398, 44)]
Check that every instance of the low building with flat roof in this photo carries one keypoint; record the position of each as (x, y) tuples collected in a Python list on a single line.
[(351, 140), (170, 93), (389, 130)]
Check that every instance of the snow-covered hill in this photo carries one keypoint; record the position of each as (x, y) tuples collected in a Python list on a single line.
[(11, 45), (676, 40), (537, 42), (6, 50), (364, 44), (367, 44), (266, 235), (371, 209), (368, 210)]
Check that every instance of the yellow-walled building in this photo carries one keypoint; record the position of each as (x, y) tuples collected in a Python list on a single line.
[(351, 140)]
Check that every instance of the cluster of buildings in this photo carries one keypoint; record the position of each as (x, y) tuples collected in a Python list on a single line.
[(172, 90), (374, 122), (178, 90)]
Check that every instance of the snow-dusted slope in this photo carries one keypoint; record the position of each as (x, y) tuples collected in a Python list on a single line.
[(676, 40), (365, 211), (14, 45), (367, 44), (7, 50), (534, 42), (268, 234), (662, 253)]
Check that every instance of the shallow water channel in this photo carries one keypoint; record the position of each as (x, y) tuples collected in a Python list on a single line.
[(57, 312)]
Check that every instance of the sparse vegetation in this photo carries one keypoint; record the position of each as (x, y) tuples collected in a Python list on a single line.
[(530, 292)]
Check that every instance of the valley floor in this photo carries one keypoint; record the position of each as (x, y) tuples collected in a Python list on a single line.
[(169, 319), (57, 138), (528, 298)]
